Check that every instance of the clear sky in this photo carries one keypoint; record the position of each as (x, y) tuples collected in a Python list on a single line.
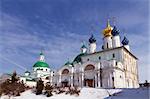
[(59, 27)]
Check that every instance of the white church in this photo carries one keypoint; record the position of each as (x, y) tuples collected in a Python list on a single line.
[(115, 66)]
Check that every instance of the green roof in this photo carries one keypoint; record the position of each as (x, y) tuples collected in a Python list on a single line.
[(40, 64), (68, 63), (78, 58)]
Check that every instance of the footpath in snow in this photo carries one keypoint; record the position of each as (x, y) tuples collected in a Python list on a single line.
[(91, 93)]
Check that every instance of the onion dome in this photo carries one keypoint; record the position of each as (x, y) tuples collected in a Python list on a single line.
[(107, 30), (92, 39), (115, 31), (83, 46), (41, 64), (125, 41), (78, 57)]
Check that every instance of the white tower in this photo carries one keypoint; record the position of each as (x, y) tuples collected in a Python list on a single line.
[(115, 38), (92, 44), (83, 48), (107, 36), (125, 43)]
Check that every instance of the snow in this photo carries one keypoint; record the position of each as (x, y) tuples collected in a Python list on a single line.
[(91, 93)]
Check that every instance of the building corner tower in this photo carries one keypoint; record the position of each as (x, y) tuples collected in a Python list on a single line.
[(125, 43)]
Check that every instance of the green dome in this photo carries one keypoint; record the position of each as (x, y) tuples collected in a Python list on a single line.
[(78, 58), (40, 64)]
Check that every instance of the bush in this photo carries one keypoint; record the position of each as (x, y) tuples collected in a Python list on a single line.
[(12, 87), (39, 87), (48, 89)]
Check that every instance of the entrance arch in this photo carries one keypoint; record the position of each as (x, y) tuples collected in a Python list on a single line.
[(89, 73), (65, 71), (65, 78)]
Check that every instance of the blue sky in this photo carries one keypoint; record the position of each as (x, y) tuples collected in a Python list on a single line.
[(59, 27)]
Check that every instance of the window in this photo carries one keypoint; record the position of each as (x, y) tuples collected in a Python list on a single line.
[(99, 58), (47, 78), (113, 55), (46, 69), (120, 76), (116, 63), (88, 59), (107, 45)]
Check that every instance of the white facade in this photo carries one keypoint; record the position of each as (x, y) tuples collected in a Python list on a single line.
[(112, 67), (107, 69)]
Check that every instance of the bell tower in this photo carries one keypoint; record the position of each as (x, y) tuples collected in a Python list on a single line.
[(107, 40)]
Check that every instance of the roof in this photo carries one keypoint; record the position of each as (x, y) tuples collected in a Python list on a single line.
[(112, 49), (78, 57), (27, 72), (40, 64), (68, 63)]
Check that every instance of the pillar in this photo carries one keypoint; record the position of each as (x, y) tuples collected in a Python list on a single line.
[(82, 78), (72, 71), (59, 79), (99, 83), (95, 79), (51, 79)]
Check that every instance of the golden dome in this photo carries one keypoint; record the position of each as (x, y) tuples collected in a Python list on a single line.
[(107, 30)]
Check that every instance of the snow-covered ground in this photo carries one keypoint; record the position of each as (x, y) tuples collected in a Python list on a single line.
[(91, 93)]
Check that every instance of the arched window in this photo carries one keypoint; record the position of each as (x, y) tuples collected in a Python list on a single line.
[(47, 78), (65, 71), (89, 67), (107, 45)]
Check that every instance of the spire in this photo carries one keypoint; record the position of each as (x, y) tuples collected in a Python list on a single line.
[(92, 39), (108, 23), (83, 45), (42, 57), (41, 53)]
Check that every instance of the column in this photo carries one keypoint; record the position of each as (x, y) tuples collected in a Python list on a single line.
[(82, 78), (110, 80), (51, 79), (95, 79), (99, 82), (59, 79), (72, 71)]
